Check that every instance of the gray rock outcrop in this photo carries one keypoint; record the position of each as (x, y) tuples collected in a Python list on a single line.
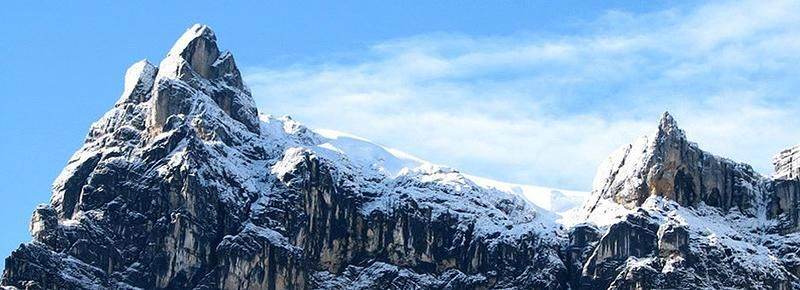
[(668, 165), (694, 220)]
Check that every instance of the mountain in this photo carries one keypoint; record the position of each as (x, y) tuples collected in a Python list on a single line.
[(181, 185), (184, 185), (665, 214)]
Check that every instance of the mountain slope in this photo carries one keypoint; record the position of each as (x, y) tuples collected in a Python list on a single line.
[(392, 161)]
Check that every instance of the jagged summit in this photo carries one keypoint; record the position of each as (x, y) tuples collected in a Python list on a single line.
[(667, 164), (668, 126), (197, 34), (198, 47), (193, 68), (674, 216)]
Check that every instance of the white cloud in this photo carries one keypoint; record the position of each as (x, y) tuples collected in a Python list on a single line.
[(547, 110)]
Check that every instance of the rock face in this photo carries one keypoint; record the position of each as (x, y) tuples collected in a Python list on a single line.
[(668, 165), (195, 65), (787, 164), (784, 202), (181, 186)]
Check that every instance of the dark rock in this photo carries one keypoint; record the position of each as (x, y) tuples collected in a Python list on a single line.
[(635, 236), (673, 239), (784, 204), (583, 239)]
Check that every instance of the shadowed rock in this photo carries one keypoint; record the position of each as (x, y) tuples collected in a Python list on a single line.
[(195, 66)]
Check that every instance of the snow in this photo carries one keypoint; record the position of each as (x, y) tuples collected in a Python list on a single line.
[(170, 67), (222, 58), (446, 191), (366, 153), (392, 162), (275, 238), (622, 169), (392, 177), (605, 213), (443, 189), (555, 200), (708, 226), (196, 31), (292, 157), (670, 264), (141, 71)]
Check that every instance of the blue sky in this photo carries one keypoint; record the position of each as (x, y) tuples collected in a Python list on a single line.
[(534, 92)]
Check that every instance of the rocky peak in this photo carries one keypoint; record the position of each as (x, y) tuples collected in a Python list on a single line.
[(667, 126), (668, 165), (665, 208), (198, 47), (195, 67)]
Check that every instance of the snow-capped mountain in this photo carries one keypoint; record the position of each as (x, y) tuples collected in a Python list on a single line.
[(183, 185), (665, 214)]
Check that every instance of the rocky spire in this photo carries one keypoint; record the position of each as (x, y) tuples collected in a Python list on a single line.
[(667, 121), (666, 164), (194, 66), (668, 129), (198, 47)]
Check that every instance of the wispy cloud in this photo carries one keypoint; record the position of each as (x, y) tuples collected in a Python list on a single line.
[(548, 109)]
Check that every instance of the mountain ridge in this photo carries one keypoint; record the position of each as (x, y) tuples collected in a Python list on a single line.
[(184, 185)]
